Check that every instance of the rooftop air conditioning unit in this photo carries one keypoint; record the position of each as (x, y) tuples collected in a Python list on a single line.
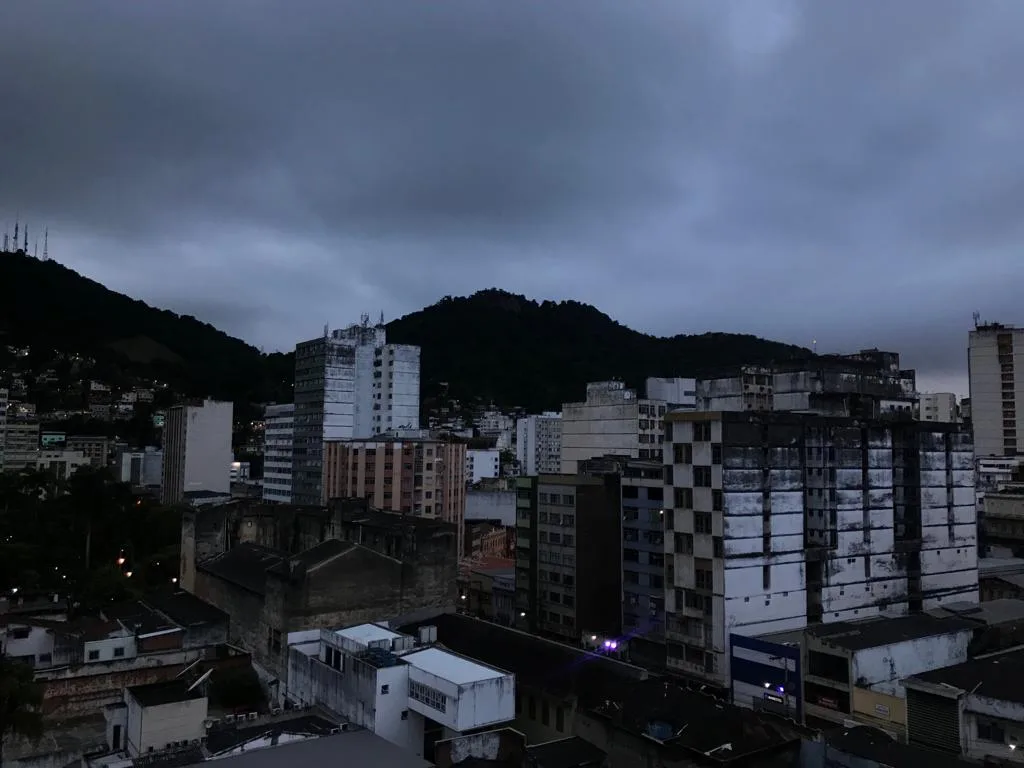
[(253, 715)]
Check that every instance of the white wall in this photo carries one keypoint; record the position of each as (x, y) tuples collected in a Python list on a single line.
[(174, 722), (388, 709), (38, 643), (881, 669), (481, 463), (106, 649), (208, 454)]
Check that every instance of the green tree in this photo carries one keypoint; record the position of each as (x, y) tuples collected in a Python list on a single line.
[(21, 702)]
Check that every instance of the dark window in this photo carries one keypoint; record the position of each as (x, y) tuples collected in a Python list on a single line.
[(716, 500), (683, 498), (94, 655), (119, 651), (560, 719), (702, 432), (716, 454), (702, 522), (545, 714), (702, 477), (531, 708), (682, 453)]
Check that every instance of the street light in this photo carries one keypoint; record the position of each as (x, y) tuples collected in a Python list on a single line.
[(128, 574)]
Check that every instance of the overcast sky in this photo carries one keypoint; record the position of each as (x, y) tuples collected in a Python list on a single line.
[(846, 171)]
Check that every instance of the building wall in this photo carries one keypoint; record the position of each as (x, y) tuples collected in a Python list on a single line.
[(61, 464), (197, 450), (95, 448), (423, 477), (539, 444), (491, 505), (783, 521), (938, 406), (883, 668), (643, 551), (278, 435), (3, 425), (482, 463), (21, 444), (349, 384), (881, 710), (675, 392), (612, 421), (995, 358), (170, 723), (110, 649)]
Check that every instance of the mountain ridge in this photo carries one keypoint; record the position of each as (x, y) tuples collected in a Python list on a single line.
[(492, 345)]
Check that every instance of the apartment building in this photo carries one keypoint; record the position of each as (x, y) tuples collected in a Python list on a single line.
[(197, 450), (781, 520), (866, 384), (611, 421), (21, 444), (539, 443), (938, 406), (3, 425), (95, 448), (995, 354), (62, 464), (140, 468), (497, 426), (418, 476), (567, 550), (278, 434), (350, 383), (677, 393), (482, 464)]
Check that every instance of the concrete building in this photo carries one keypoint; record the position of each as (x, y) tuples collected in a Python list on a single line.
[(350, 383), (567, 551), (491, 505), (539, 444), (142, 469), (422, 477), (482, 463), (974, 709), (677, 393), (783, 520), (401, 687), (866, 384), (278, 569), (3, 425), (61, 464), (197, 450), (1002, 524), (612, 421), (938, 406), (278, 434), (995, 354), (95, 448), (21, 444), (497, 426), (162, 715)]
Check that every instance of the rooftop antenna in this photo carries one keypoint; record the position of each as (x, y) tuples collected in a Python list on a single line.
[(46, 244), (7, 237), (327, 330), (35, 248), (16, 216), (382, 317), (977, 319), (814, 346), (26, 239)]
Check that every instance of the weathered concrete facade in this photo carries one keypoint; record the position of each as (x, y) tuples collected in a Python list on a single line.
[(284, 569), (782, 520)]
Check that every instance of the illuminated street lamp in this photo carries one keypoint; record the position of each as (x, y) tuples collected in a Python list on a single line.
[(128, 574)]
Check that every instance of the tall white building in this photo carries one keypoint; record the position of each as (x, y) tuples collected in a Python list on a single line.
[(496, 425), (3, 426), (482, 463), (539, 444), (780, 520), (938, 406), (995, 354), (350, 383), (278, 434), (612, 421), (197, 450)]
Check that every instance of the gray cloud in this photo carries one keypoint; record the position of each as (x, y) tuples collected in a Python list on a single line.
[(843, 171)]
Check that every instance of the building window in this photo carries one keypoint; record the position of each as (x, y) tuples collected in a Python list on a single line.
[(990, 730), (716, 500), (119, 651), (427, 695), (683, 498), (702, 522), (702, 432), (531, 707), (559, 719), (94, 655), (716, 454), (702, 477), (384, 689), (682, 453), (405, 714)]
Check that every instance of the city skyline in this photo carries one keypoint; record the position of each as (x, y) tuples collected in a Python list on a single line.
[(804, 172)]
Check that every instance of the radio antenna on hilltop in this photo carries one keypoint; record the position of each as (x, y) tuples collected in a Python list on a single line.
[(26, 239), (46, 244)]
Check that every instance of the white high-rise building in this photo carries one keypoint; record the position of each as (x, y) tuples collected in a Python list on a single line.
[(539, 444), (197, 450), (994, 355), (278, 433), (612, 421), (482, 463), (349, 383), (3, 426)]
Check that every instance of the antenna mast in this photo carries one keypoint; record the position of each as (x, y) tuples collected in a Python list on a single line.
[(46, 244)]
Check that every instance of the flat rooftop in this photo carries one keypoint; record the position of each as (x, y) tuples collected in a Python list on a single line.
[(886, 630), (1005, 610), (572, 752), (169, 692), (451, 667), (368, 633), (355, 748), (994, 677)]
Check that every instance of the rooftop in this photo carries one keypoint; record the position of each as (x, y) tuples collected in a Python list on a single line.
[(572, 752), (886, 630), (168, 692), (1006, 610), (137, 617), (356, 748), (1000, 566), (872, 744), (994, 677), (244, 565), (367, 633), (225, 738), (450, 666), (558, 669), (186, 609)]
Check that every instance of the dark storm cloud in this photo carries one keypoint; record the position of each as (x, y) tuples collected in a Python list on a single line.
[(847, 171)]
